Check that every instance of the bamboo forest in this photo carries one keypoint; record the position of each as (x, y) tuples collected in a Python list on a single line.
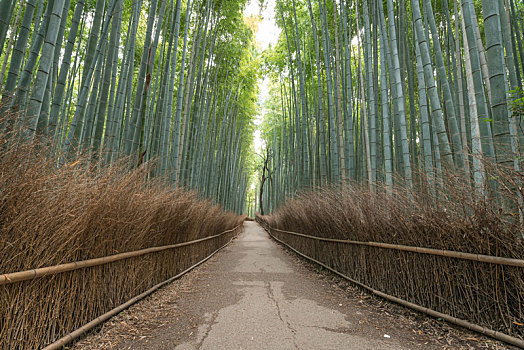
[(374, 145)]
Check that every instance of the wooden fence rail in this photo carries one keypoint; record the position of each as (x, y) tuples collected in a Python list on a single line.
[(447, 253), (60, 343), (436, 252), (14, 277)]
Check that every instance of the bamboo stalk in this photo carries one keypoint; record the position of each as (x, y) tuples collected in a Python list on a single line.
[(53, 270), (462, 323), (447, 253), (85, 328)]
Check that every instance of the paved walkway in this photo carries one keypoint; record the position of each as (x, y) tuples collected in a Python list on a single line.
[(278, 308), (257, 295)]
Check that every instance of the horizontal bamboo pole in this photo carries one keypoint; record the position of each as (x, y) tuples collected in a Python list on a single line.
[(99, 320), (430, 251), (14, 277), (462, 323)]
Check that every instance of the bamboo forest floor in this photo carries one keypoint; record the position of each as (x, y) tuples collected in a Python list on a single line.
[(257, 295)]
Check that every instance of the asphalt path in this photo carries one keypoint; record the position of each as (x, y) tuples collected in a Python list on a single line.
[(255, 294), (278, 308)]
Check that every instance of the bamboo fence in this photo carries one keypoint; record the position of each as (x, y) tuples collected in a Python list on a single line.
[(337, 264), (13, 277), (60, 343), (439, 252), (54, 305)]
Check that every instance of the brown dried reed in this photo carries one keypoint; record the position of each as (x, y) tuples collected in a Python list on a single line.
[(485, 294), (51, 215)]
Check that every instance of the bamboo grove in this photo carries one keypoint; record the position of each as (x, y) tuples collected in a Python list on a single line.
[(394, 93), (169, 81)]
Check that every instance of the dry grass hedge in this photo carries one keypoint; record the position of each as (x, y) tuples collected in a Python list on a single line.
[(485, 294), (51, 215)]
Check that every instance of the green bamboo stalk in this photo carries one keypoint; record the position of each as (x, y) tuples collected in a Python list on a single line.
[(45, 64), (399, 98), (436, 110), (448, 96), (483, 117)]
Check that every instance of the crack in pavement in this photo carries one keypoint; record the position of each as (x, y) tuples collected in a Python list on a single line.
[(341, 330), (271, 297), (208, 330)]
